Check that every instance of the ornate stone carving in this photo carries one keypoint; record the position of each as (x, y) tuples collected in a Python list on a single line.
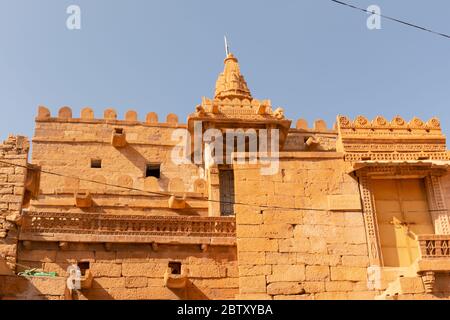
[(380, 140), (434, 246), (370, 220), (231, 84), (437, 205), (429, 279), (54, 223), (279, 113), (438, 209)]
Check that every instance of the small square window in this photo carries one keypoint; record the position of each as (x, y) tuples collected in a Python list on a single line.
[(118, 130), (153, 170), (96, 163), (83, 267), (175, 266)]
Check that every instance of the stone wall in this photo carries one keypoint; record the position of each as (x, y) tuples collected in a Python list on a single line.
[(66, 145), (12, 188), (445, 184), (318, 249), (134, 271)]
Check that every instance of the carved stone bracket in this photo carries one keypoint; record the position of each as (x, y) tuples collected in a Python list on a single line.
[(429, 279)]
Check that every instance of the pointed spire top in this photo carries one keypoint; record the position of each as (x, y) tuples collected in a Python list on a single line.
[(231, 84), (227, 48)]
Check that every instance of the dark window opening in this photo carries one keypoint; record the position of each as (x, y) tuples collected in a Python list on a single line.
[(175, 267), (226, 184), (118, 130), (83, 267), (153, 170), (96, 163)]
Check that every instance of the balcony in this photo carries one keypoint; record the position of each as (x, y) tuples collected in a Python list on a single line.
[(434, 253), (434, 258), (88, 227)]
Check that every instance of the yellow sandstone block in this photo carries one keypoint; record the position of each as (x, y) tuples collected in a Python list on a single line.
[(286, 273), (257, 245), (317, 273), (252, 284), (344, 202), (348, 273), (285, 288)]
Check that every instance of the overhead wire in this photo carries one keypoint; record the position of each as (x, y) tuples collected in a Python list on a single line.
[(167, 194), (409, 24)]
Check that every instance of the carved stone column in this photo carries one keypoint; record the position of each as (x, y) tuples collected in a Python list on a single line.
[(370, 220), (438, 209)]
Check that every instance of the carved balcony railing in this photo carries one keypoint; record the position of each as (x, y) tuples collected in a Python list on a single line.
[(434, 246), (63, 226), (434, 258)]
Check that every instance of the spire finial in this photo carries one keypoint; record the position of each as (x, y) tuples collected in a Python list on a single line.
[(227, 48), (231, 83)]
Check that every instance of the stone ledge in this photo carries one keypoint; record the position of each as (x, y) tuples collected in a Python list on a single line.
[(217, 241)]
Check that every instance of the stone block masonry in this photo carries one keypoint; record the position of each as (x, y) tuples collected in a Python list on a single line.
[(292, 254), (13, 163)]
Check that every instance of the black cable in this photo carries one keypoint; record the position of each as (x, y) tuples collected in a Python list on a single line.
[(392, 19), (170, 194)]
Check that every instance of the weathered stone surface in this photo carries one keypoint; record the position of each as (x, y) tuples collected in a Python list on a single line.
[(317, 273), (252, 258), (150, 270), (207, 271), (252, 284), (344, 202), (299, 233), (136, 282), (249, 270), (106, 270), (286, 273), (348, 273), (107, 283), (257, 245), (285, 288)]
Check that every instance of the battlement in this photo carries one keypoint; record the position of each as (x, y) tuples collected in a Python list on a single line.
[(397, 125), (319, 126), (65, 114), (393, 140)]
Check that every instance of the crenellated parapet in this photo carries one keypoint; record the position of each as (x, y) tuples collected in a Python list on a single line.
[(319, 125), (396, 140), (65, 114), (316, 137), (397, 125)]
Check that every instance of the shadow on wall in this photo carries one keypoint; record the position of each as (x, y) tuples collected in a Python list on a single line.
[(97, 293), (4, 269), (31, 288), (140, 162), (194, 293)]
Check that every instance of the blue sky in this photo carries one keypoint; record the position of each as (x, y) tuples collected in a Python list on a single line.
[(312, 57)]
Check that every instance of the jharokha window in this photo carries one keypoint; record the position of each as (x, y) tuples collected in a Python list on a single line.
[(402, 213), (226, 181)]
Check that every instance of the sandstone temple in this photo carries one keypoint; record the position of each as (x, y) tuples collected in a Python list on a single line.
[(358, 210)]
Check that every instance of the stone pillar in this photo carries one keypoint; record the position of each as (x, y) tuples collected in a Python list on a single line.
[(13, 164), (213, 192)]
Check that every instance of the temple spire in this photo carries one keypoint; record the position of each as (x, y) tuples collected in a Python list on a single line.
[(231, 84)]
